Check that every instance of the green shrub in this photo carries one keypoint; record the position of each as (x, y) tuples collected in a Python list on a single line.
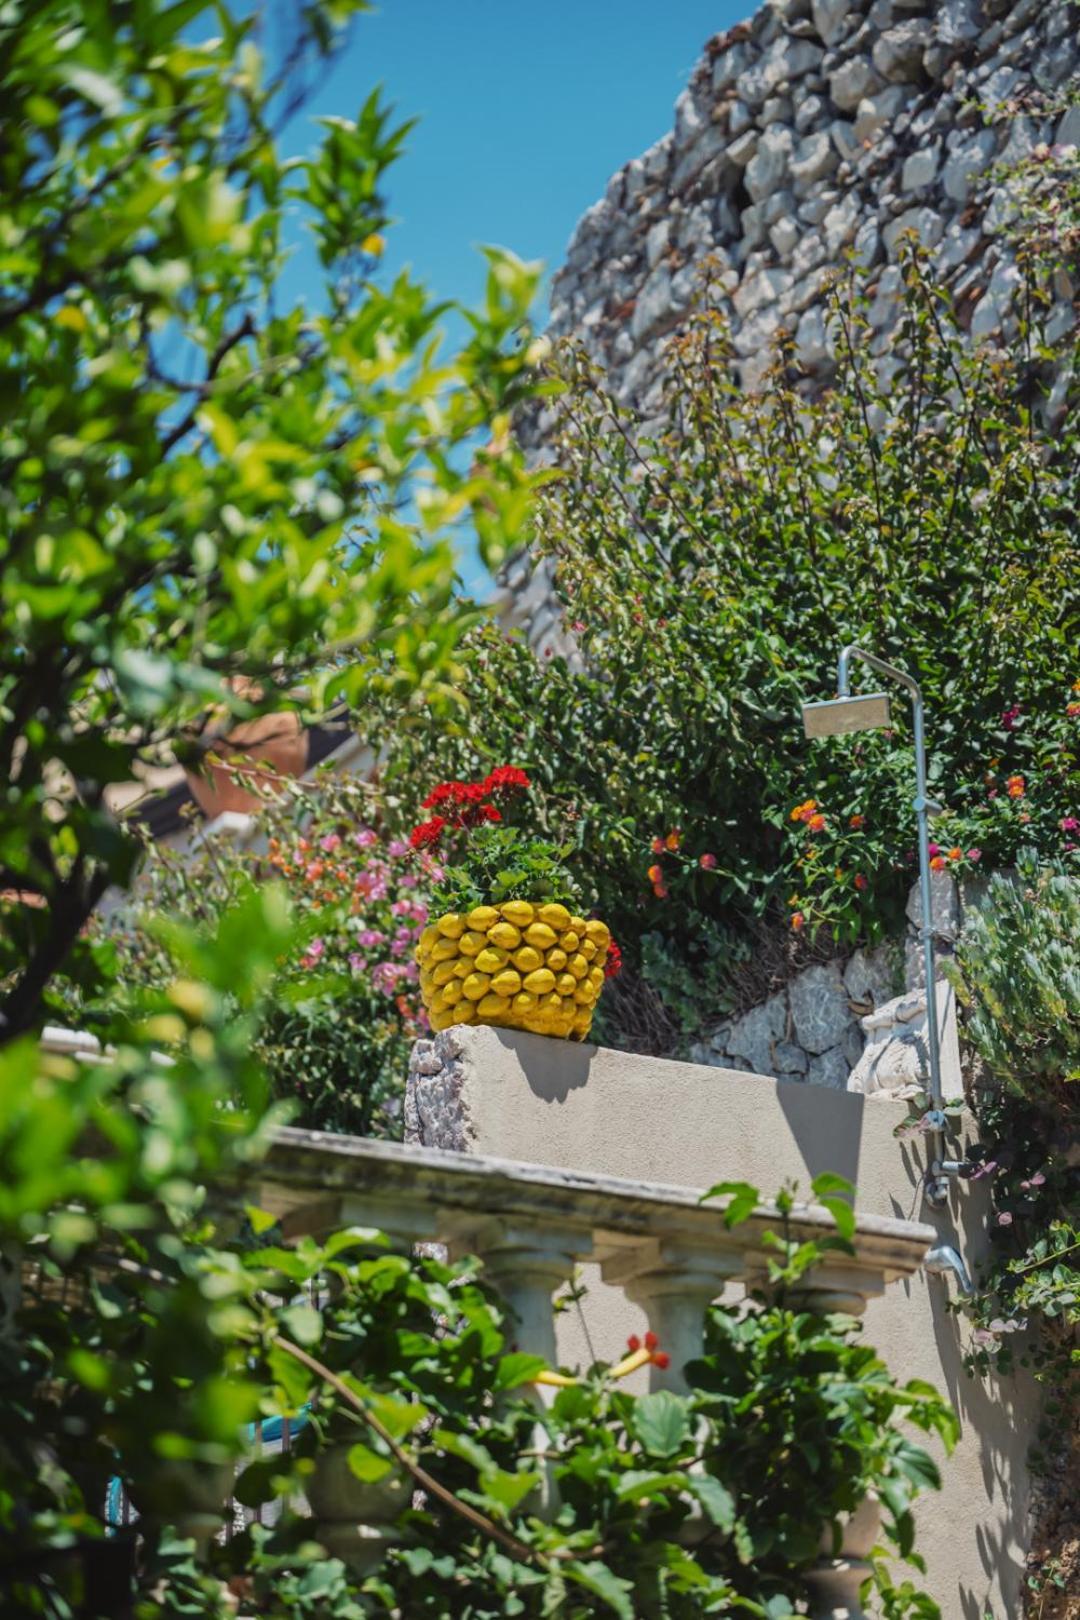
[(709, 575), (1017, 976), (342, 1010)]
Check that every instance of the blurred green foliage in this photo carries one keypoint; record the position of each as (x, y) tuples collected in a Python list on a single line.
[(211, 502)]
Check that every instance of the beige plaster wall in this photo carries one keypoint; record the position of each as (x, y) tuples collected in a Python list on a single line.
[(586, 1108)]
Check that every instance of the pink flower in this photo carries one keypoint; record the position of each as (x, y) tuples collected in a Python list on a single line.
[(974, 854), (401, 908), (408, 880), (983, 1338), (365, 838), (385, 976), (331, 842), (369, 937), (396, 848), (578, 626), (1069, 824), (357, 962), (707, 863), (419, 912), (316, 948), (1037, 1180), (1010, 717), (935, 849)]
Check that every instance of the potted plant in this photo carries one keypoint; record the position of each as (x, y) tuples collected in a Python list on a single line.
[(507, 944)]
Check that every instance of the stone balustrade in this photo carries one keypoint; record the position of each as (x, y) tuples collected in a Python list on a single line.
[(532, 1226)]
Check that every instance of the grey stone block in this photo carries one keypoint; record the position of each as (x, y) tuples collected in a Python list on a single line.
[(829, 1068), (753, 1034), (820, 1008)]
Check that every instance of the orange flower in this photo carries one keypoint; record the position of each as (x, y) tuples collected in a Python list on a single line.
[(1072, 710), (938, 863), (673, 838), (658, 846), (660, 891), (856, 822), (1015, 787), (803, 812), (860, 880), (816, 823), (798, 921), (956, 853), (655, 874)]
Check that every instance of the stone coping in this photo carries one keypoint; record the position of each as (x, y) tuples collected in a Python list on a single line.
[(433, 1185)]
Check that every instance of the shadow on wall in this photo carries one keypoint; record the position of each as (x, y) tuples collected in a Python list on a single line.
[(997, 1416), (826, 1138), (555, 1068)]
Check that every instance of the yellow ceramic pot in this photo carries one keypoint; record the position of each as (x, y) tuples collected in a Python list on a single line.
[(519, 965)]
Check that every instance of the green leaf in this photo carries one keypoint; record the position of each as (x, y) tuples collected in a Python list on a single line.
[(743, 1200), (368, 1465), (661, 1422), (302, 1323), (610, 1588), (517, 1368), (714, 1497)]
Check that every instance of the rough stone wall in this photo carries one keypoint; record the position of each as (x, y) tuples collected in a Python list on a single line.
[(817, 128), (818, 1027)]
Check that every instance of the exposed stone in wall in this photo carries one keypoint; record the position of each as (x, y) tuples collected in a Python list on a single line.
[(811, 1030), (436, 1114), (815, 129), (843, 1016)]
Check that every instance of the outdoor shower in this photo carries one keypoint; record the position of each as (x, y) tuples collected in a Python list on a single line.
[(837, 717)]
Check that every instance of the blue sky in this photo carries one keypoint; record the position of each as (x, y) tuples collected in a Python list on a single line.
[(525, 112)]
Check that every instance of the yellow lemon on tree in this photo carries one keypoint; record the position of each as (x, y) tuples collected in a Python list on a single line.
[(588, 949), (444, 950), (526, 1002), (444, 971), (566, 984), (505, 935), (527, 958), (598, 932), (577, 965), (556, 958)]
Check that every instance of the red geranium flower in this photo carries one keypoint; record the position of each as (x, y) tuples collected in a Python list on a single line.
[(506, 779), (613, 965), (428, 833)]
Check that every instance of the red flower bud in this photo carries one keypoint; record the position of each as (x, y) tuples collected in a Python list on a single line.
[(661, 1359), (651, 1341), (633, 1342)]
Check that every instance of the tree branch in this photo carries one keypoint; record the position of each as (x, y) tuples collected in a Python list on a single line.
[(427, 1482), (227, 342)]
